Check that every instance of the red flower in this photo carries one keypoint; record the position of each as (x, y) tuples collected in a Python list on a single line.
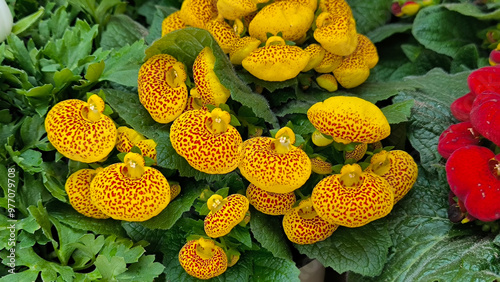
[(461, 107), (457, 136), (485, 116), (484, 79), (473, 173)]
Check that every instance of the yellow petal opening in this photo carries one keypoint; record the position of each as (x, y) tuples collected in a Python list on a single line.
[(93, 111), (205, 248), (134, 166), (284, 140), (215, 203), (218, 121), (351, 175)]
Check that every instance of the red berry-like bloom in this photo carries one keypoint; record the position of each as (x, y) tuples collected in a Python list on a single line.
[(484, 79), (460, 108), (457, 136), (473, 173), (485, 116)]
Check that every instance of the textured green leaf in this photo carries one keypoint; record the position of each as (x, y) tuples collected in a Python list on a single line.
[(467, 58), (398, 112), (186, 44), (49, 271), (28, 21), (121, 30), (266, 267), (433, 94), (110, 267), (67, 215), (75, 45), (268, 231), (362, 250), (444, 31), (174, 210), (472, 10), (143, 270), (370, 15), (130, 109), (385, 31), (123, 64), (241, 235)]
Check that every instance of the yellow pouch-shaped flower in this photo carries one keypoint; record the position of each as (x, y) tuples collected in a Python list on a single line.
[(336, 33), (78, 189), (236, 9), (349, 119), (198, 13), (352, 198), (398, 168), (223, 33), (203, 259), (274, 164), (352, 71), (303, 225), (172, 22), (80, 131), (276, 61), (241, 48), (225, 214), (317, 54), (208, 86), (130, 191), (207, 141), (162, 90), (291, 18), (269, 202)]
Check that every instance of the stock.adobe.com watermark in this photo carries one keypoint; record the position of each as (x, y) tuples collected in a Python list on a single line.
[(11, 214)]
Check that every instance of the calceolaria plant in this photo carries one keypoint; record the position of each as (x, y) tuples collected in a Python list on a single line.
[(240, 140)]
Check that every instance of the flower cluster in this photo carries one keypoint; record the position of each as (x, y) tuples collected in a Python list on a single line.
[(469, 147), (124, 191), (297, 36), (128, 191)]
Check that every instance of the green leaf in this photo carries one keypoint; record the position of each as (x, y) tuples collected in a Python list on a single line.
[(67, 215), (385, 31), (398, 112), (21, 54), (444, 31), (469, 9), (122, 30), (94, 71), (32, 131), (174, 210), (64, 77), (431, 112), (370, 14), (28, 21), (466, 59), (362, 250), (110, 267), (130, 109), (143, 270), (49, 271), (75, 45), (266, 267), (123, 64), (242, 235), (268, 231), (185, 45)]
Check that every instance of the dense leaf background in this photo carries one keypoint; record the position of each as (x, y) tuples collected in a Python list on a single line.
[(63, 49)]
